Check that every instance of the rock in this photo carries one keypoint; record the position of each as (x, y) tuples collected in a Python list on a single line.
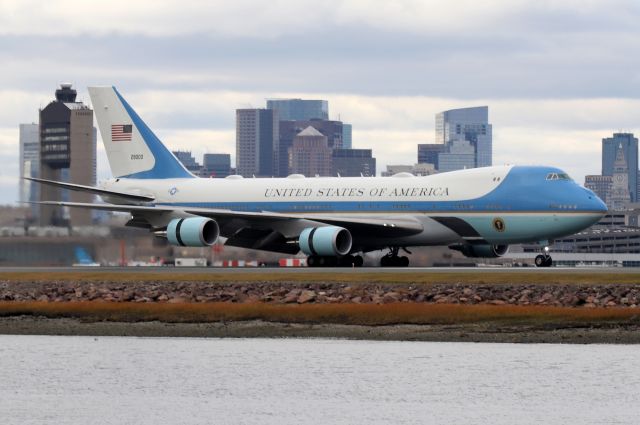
[(178, 300), (163, 297), (467, 291), (291, 297), (391, 297), (496, 302), (306, 297), (43, 298), (356, 300)]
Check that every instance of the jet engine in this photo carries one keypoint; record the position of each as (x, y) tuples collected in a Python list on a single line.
[(193, 231), (484, 251), (325, 241)]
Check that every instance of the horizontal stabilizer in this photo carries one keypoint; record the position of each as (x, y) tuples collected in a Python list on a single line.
[(110, 195)]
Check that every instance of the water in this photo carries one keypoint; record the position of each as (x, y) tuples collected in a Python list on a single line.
[(86, 380)]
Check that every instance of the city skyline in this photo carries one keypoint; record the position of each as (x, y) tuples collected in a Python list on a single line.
[(550, 85)]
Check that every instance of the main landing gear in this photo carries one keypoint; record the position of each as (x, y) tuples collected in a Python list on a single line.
[(344, 261), (544, 260), (393, 260)]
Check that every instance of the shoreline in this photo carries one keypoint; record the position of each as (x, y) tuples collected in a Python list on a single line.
[(471, 332)]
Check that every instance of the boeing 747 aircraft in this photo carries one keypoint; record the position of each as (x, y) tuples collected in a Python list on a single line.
[(332, 220)]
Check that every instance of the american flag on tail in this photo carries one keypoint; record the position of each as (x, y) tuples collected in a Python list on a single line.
[(121, 132)]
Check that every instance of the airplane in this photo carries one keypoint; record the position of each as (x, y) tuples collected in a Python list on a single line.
[(332, 220), (83, 258)]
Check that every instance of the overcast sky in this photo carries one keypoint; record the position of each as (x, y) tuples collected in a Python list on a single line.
[(557, 76)]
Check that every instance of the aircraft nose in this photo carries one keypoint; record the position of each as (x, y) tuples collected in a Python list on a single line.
[(596, 203), (601, 207)]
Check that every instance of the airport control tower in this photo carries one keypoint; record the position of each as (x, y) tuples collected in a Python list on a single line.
[(67, 153)]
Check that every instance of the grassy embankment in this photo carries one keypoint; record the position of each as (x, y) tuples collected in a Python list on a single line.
[(356, 314), (351, 314), (480, 278)]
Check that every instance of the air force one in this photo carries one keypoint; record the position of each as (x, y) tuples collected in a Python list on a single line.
[(332, 220)]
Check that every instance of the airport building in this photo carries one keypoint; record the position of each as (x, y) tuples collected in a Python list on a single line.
[(310, 154), (67, 153), (465, 125), (353, 163), (257, 142)]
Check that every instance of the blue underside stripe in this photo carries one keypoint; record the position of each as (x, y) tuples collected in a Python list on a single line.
[(391, 207)]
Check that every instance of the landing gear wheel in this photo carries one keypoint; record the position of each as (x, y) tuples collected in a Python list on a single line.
[(312, 261), (391, 260), (543, 261), (358, 261)]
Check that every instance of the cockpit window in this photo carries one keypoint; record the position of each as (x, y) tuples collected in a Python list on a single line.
[(558, 176)]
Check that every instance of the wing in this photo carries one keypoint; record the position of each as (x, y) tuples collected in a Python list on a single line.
[(261, 230), (108, 195)]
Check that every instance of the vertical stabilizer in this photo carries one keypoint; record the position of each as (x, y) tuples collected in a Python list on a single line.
[(132, 148)]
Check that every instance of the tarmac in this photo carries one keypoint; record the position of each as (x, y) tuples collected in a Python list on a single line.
[(328, 270)]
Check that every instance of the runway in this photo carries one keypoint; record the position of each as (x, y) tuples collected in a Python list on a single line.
[(327, 270)]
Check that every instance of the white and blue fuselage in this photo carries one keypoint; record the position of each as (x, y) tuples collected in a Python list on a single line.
[(497, 205)]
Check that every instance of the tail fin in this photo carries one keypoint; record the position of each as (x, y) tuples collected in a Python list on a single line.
[(132, 148), (82, 256)]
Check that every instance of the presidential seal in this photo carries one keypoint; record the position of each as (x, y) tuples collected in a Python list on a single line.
[(498, 224)]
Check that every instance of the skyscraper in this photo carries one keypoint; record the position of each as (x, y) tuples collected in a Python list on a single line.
[(310, 154), (299, 109), (467, 124), (216, 165), (353, 163), (428, 153), (189, 162), (601, 185), (67, 153), (29, 164), (629, 144), (257, 142), (346, 136), (459, 155), (620, 195), (289, 129)]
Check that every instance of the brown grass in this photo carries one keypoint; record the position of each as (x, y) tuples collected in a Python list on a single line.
[(429, 277), (354, 314)]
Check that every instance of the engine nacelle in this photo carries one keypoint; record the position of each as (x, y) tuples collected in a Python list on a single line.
[(484, 251), (325, 241), (193, 231)]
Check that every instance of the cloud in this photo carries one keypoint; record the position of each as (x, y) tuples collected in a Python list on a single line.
[(280, 18), (557, 76)]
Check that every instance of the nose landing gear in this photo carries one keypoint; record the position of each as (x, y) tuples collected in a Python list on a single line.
[(544, 260)]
